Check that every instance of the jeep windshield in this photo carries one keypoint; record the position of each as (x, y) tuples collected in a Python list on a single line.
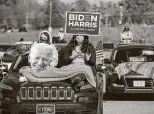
[(134, 55)]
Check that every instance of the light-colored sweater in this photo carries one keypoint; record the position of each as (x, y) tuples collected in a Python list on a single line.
[(58, 74)]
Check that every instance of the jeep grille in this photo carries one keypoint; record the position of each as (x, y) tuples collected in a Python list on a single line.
[(46, 93)]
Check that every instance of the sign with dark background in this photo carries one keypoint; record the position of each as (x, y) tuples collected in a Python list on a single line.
[(82, 23)]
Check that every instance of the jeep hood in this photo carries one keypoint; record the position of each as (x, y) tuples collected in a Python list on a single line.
[(55, 74)]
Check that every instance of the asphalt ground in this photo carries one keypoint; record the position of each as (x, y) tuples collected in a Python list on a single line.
[(129, 104)]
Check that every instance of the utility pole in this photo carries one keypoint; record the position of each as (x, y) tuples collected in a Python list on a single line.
[(27, 16), (50, 28), (121, 13), (106, 20)]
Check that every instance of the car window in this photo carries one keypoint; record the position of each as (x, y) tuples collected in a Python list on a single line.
[(134, 55), (121, 56), (13, 51), (20, 62)]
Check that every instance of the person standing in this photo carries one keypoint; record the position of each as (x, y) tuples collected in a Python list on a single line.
[(126, 35)]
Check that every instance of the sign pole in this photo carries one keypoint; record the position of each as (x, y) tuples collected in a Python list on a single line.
[(27, 16), (50, 28)]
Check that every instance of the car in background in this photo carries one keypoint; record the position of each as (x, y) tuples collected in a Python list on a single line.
[(27, 44), (130, 69), (3, 66)]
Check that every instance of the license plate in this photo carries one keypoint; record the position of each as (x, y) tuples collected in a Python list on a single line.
[(137, 59), (139, 83), (45, 109)]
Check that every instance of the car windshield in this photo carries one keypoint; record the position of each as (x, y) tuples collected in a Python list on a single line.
[(134, 55)]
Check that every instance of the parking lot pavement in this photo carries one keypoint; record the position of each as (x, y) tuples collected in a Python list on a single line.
[(129, 105)]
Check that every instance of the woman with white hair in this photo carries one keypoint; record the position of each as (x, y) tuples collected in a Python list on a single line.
[(45, 37)]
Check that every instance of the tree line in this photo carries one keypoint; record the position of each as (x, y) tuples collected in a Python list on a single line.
[(14, 13)]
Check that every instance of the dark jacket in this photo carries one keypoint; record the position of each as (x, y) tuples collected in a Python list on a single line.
[(64, 59), (12, 79)]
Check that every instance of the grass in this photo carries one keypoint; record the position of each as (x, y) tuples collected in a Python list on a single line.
[(108, 35)]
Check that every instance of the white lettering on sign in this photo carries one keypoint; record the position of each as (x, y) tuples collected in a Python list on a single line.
[(93, 18), (78, 20), (76, 24), (81, 18), (82, 23), (70, 23), (76, 17), (71, 17)]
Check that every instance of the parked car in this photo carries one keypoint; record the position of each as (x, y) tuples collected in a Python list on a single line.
[(129, 69), (48, 97)]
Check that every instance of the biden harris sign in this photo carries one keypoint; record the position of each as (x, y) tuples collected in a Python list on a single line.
[(82, 23)]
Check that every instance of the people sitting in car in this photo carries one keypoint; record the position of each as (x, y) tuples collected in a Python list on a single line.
[(39, 70), (45, 37), (79, 53)]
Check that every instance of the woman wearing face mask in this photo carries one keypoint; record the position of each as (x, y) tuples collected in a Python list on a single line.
[(78, 53), (78, 50)]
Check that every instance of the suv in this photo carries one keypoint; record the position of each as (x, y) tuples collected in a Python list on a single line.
[(48, 97), (130, 69)]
